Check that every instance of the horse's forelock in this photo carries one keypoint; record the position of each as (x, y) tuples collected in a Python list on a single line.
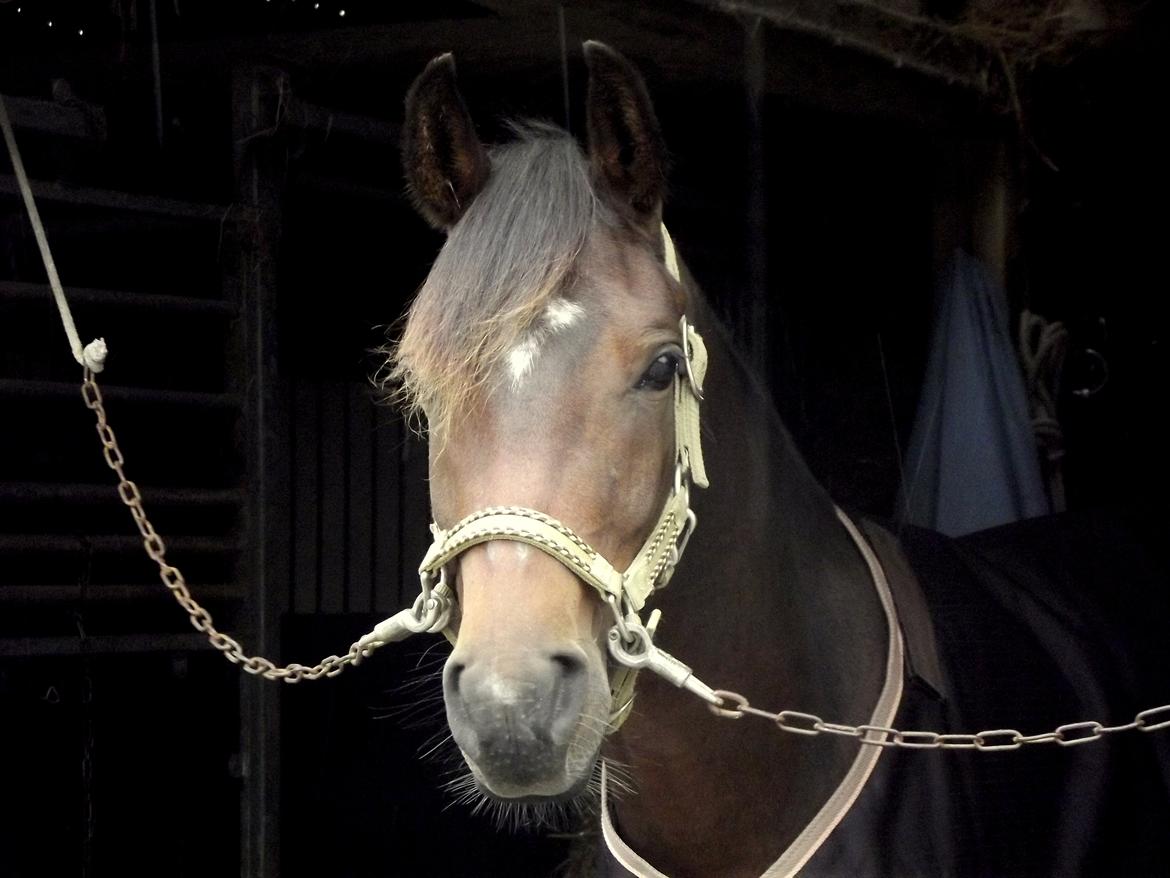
[(515, 250)]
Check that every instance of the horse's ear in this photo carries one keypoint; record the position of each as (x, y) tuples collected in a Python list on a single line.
[(625, 143), (446, 165)]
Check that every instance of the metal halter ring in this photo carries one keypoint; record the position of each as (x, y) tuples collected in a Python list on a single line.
[(634, 652), (423, 614), (682, 466), (431, 610)]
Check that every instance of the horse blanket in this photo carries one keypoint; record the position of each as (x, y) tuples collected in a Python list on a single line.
[(1028, 626)]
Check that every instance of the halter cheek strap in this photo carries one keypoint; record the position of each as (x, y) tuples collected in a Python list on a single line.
[(688, 394)]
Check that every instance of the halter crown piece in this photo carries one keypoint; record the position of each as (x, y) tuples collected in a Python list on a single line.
[(625, 591)]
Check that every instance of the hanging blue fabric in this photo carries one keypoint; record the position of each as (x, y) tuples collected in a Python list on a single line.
[(972, 461)]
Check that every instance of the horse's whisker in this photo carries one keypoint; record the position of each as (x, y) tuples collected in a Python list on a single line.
[(443, 740), (426, 654)]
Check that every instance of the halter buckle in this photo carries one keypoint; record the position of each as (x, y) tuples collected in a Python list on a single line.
[(619, 619), (427, 581)]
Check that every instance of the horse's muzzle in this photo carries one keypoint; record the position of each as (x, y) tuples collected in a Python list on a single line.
[(518, 719)]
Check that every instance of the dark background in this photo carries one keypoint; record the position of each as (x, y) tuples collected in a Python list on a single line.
[(221, 187)]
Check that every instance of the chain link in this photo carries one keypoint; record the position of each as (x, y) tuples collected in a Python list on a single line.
[(735, 706), (173, 579)]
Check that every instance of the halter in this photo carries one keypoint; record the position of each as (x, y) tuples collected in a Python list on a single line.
[(627, 591)]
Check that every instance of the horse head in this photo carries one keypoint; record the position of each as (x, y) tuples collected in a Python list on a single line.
[(545, 352)]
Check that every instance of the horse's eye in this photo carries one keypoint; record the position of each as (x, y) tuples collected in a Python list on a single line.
[(661, 372)]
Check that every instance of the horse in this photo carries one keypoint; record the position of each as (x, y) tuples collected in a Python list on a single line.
[(559, 355)]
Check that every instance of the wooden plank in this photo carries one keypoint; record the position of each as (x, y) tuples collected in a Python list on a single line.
[(22, 291), (333, 542), (120, 543), (369, 129), (106, 644), (382, 199), (303, 440), (260, 176), (58, 193), (79, 119), (386, 502), (153, 495), (96, 594), (19, 388), (906, 41), (359, 584)]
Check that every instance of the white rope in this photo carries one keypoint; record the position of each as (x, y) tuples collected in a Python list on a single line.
[(92, 355)]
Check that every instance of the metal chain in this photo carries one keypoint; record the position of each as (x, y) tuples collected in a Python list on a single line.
[(792, 721), (1067, 735), (173, 578)]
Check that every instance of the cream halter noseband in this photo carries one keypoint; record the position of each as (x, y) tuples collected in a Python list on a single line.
[(626, 591)]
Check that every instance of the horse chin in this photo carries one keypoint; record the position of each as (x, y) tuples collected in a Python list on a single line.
[(526, 807), (558, 790), (516, 782), (525, 793)]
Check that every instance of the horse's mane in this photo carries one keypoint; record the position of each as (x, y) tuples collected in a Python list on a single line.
[(513, 251)]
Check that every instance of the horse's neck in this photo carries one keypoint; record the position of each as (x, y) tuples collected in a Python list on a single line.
[(772, 600), (771, 553)]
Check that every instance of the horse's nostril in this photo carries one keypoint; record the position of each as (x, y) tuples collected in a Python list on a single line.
[(568, 690), (568, 664), (452, 675)]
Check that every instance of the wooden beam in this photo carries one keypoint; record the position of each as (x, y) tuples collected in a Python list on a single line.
[(27, 388), (260, 162), (122, 544), (20, 291), (105, 644), (76, 119), (908, 42), (97, 594), (370, 129), (74, 492), (49, 193)]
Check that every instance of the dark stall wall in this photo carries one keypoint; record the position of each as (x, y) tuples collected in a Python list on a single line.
[(120, 733), (119, 765), (358, 503), (814, 195), (850, 231), (1095, 230)]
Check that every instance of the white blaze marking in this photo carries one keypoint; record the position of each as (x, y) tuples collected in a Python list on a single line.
[(558, 316), (521, 358), (561, 314)]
